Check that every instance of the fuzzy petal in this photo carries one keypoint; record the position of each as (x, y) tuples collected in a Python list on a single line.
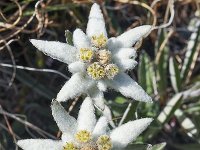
[(98, 97), (40, 144), (66, 123), (102, 86), (67, 138), (108, 114), (80, 39), (77, 66), (57, 50), (86, 117), (125, 134), (128, 87), (77, 85), (96, 23), (129, 38), (125, 53), (101, 127), (125, 64)]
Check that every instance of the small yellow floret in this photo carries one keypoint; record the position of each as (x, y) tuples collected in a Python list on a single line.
[(99, 41), (96, 71), (104, 143), (111, 71), (83, 136), (70, 146), (86, 54)]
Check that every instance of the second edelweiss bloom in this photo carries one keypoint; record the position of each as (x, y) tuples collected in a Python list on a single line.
[(98, 63), (86, 133)]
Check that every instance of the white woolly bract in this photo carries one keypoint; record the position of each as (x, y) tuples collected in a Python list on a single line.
[(80, 39), (96, 23), (66, 137), (86, 117), (125, 53), (40, 144), (66, 123), (102, 86), (98, 97), (125, 64), (113, 45), (124, 58), (77, 66), (57, 50), (101, 127), (130, 37), (129, 88), (107, 113), (125, 134), (77, 85)]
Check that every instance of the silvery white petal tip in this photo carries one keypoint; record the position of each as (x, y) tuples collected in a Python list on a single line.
[(130, 37), (40, 144), (77, 85), (57, 50), (96, 11), (86, 117), (66, 123), (96, 23), (80, 39), (129, 88), (101, 127), (128, 132)]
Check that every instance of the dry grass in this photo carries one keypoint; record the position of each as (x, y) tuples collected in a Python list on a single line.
[(29, 80)]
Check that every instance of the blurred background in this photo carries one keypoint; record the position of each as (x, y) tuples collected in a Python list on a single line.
[(168, 69)]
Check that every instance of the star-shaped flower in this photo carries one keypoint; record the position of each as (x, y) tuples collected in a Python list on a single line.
[(86, 133), (98, 62)]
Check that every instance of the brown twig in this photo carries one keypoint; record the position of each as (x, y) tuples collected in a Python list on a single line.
[(26, 123), (10, 129), (16, 21)]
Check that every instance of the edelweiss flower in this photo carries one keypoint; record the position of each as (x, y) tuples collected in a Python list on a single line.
[(85, 133), (96, 61)]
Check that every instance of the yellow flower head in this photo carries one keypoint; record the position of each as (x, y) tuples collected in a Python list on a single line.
[(96, 71), (83, 136), (70, 146), (104, 143), (111, 71), (99, 41), (86, 54)]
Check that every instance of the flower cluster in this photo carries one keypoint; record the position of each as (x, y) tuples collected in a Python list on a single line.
[(97, 63), (86, 133)]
